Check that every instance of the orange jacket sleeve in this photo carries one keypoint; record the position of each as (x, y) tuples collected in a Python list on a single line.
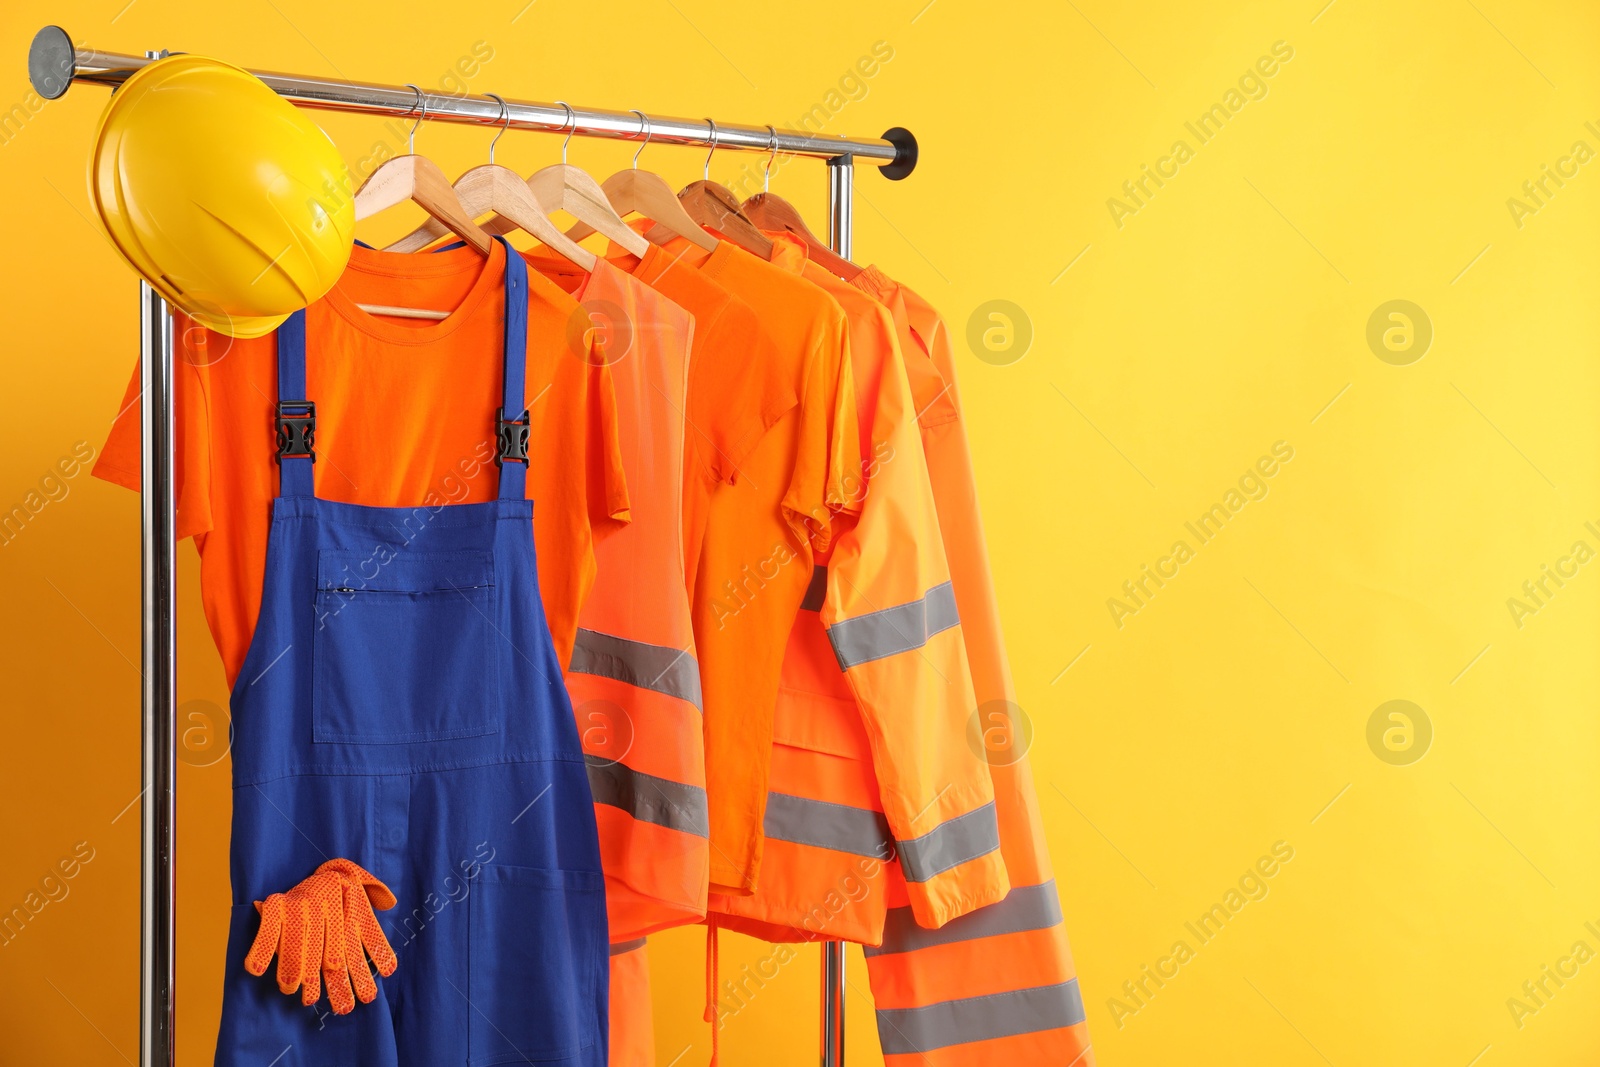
[(1000, 984), (890, 615)]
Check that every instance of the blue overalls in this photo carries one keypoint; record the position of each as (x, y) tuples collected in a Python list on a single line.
[(401, 706)]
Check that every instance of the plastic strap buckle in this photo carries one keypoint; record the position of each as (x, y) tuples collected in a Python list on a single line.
[(297, 429), (512, 435)]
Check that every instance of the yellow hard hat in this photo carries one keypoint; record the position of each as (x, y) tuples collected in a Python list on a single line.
[(225, 197)]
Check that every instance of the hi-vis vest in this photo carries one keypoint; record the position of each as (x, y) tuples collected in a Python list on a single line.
[(633, 679), (876, 798)]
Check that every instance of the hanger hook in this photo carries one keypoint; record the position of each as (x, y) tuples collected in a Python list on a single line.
[(421, 107), (505, 113), (572, 126), (644, 128), (766, 177), (713, 151)]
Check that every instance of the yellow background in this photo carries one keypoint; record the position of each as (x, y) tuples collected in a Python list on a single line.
[(1229, 313)]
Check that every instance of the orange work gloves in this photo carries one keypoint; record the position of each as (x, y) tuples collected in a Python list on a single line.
[(319, 930)]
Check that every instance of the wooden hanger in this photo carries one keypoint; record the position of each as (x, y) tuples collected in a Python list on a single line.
[(492, 188), (770, 211), (417, 179), (641, 192), (563, 187), (713, 206)]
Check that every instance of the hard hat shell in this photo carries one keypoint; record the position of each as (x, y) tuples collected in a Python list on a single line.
[(225, 197)]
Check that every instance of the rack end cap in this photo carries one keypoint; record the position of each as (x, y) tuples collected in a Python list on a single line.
[(52, 61), (905, 154)]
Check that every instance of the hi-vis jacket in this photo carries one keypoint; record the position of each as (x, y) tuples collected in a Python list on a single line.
[(997, 986), (871, 763)]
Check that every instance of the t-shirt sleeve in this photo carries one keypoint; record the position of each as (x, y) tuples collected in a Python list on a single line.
[(737, 390), (607, 485), (827, 480), (120, 459)]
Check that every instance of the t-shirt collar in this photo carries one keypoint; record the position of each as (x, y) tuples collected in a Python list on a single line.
[(401, 267)]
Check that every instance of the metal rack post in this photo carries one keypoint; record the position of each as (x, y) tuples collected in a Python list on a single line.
[(54, 63), (159, 665), (841, 174)]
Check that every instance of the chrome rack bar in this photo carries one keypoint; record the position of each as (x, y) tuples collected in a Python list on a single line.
[(54, 63)]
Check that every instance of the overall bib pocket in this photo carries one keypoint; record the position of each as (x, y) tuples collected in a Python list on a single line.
[(536, 955), (405, 648)]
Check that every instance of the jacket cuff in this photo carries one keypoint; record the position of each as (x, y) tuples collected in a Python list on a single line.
[(954, 868)]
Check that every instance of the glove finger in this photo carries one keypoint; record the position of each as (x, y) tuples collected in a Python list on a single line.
[(292, 944), (265, 945), (366, 986), (356, 962), (340, 998), (359, 911), (332, 907), (316, 932), (378, 894)]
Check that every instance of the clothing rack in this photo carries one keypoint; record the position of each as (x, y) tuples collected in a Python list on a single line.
[(54, 63)]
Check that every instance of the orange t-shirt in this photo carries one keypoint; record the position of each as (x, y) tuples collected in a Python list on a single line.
[(871, 328), (737, 388), (762, 534), (405, 417)]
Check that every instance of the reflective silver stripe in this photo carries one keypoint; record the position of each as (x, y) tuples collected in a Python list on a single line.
[(1026, 907), (647, 798), (622, 948), (955, 1022), (858, 831), (950, 844), (893, 630), (666, 670)]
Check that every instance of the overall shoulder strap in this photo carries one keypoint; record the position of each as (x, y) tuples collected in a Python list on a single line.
[(511, 422), (296, 414)]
